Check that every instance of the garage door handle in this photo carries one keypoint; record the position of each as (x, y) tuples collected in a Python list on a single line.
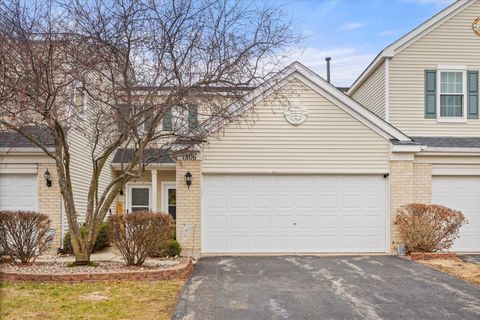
[(294, 223)]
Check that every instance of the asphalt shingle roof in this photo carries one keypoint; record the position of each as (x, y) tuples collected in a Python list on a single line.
[(125, 155), (449, 142)]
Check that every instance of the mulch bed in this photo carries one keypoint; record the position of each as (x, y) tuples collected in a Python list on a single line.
[(158, 269)]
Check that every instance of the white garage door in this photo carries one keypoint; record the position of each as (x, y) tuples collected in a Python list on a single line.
[(461, 193), (293, 214), (18, 192)]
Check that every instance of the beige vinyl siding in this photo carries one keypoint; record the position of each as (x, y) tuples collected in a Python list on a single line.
[(371, 93), (454, 42), (81, 172), (329, 141)]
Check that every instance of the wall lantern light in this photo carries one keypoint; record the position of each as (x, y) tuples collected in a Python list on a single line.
[(47, 178), (188, 179)]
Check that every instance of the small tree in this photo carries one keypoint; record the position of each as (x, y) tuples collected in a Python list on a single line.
[(136, 64), (139, 235), (428, 227), (24, 235)]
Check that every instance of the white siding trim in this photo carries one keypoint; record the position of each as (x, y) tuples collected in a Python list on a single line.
[(410, 38), (439, 170), (18, 168), (387, 90), (296, 67)]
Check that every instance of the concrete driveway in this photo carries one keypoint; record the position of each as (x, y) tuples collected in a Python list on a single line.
[(348, 287)]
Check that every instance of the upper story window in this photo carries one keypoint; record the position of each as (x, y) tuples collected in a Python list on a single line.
[(452, 94), (167, 121)]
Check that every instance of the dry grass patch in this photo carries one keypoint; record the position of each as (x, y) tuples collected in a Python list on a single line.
[(456, 267), (100, 300)]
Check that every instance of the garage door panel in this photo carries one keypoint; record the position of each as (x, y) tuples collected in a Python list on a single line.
[(461, 193), (293, 214), (18, 192)]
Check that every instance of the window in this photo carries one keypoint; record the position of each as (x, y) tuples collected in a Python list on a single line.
[(452, 94), (139, 198), (167, 121), (192, 117)]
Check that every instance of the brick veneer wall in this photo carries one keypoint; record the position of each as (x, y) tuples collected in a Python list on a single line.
[(409, 182), (50, 199), (189, 207)]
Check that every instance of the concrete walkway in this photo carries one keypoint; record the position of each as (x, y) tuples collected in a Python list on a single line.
[(349, 287)]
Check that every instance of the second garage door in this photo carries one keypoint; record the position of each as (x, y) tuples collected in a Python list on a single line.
[(461, 193), (288, 213)]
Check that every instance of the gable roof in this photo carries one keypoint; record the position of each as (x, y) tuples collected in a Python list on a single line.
[(417, 33), (343, 101)]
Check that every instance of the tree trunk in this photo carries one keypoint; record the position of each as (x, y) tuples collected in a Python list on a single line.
[(81, 250)]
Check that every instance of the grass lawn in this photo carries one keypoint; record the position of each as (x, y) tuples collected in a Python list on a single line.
[(101, 300), (456, 267)]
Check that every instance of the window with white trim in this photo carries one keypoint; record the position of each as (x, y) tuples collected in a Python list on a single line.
[(452, 94)]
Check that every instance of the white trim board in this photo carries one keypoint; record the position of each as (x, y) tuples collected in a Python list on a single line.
[(296, 69), (405, 41), (128, 188), (163, 186)]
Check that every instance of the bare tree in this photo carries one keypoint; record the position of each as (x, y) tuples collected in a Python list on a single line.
[(149, 70)]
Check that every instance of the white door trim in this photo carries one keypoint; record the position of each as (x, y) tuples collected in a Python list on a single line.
[(137, 184), (165, 185)]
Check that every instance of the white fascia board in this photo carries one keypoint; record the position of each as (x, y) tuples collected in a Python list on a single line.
[(352, 104), (157, 166), (409, 38), (452, 150), (405, 148), (17, 151), (349, 104)]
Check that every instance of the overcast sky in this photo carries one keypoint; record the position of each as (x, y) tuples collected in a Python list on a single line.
[(353, 32)]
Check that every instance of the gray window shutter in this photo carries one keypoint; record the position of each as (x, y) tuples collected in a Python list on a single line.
[(472, 94), (430, 94), (192, 117)]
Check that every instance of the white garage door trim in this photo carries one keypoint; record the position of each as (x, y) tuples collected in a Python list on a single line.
[(448, 191), (28, 178), (382, 246)]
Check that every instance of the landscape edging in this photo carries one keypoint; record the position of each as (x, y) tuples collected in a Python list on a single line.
[(432, 255), (180, 271)]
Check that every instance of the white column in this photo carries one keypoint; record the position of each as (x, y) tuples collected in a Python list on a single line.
[(154, 190)]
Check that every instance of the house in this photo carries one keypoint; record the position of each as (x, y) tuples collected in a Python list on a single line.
[(426, 84), (309, 168)]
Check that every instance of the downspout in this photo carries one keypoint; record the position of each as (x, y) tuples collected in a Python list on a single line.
[(62, 222)]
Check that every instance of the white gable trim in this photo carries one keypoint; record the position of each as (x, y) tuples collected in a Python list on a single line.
[(410, 38), (346, 103)]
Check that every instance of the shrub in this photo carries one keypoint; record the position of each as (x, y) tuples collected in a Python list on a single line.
[(24, 235), (174, 248), (140, 234), (101, 242), (428, 227)]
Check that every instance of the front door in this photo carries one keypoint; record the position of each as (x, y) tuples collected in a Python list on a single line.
[(170, 199)]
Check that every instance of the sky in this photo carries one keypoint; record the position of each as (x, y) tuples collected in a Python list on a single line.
[(352, 32)]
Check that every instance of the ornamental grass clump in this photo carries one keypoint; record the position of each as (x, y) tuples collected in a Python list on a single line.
[(24, 235), (428, 227), (139, 235)]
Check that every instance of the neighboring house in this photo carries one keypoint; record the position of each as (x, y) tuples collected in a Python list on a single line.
[(310, 169), (427, 85), (25, 169)]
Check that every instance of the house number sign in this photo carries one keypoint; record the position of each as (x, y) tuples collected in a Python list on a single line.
[(189, 157), (295, 114)]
